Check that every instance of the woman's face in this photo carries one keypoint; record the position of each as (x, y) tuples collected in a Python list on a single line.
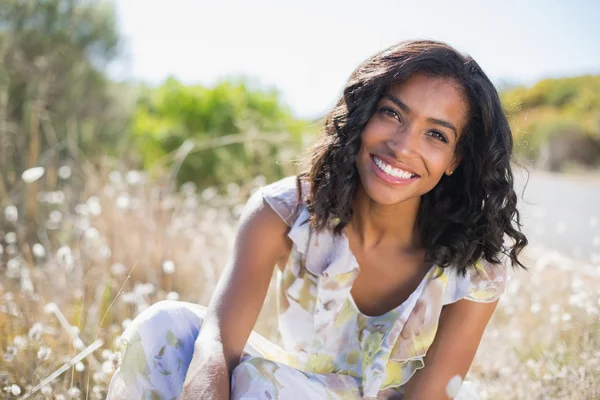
[(409, 142)]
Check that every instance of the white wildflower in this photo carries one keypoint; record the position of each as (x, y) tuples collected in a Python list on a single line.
[(55, 216), (38, 250), (233, 189), (209, 193), (10, 238), (98, 377), (134, 177), (46, 390), (174, 296), (78, 344), (35, 332), (13, 267), (125, 323), (92, 233), (64, 172), (82, 209), (566, 317), (74, 392), (108, 367), (453, 386), (32, 174), (27, 286), (20, 341), (44, 353), (94, 206), (11, 213), (535, 308), (123, 201), (79, 367), (106, 353), (117, 269), (15, 389), (188, 188), (114, 177), (10, 353), (168, 267)]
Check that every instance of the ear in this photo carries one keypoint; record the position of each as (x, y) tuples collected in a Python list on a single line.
[(453, 164)]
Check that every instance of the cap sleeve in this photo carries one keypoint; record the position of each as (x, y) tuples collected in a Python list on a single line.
[(282, 197), (485, 282)]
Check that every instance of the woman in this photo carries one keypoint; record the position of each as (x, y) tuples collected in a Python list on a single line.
[(390, 248)]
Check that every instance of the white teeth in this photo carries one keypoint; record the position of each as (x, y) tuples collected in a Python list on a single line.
[(388, 169)]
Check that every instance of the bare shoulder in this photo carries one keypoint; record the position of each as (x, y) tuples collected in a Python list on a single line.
[(262, 229)]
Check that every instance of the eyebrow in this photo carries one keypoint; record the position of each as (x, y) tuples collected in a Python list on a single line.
[(407, 110)]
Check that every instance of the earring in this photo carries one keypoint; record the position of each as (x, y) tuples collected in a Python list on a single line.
[(450, 173)]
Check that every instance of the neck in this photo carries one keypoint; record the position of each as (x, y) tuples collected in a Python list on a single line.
[(375, 225)]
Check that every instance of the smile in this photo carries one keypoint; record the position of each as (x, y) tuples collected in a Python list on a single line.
[(391, 171)]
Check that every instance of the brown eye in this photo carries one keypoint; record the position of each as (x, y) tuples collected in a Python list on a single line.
[(389, 112), (438, 135)]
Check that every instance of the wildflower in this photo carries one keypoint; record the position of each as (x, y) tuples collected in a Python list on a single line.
[(174, 296), (27, 286), (123, 201), (20, 341), (10, 238), (11, 213), (108, 367), (35, 332), (92, 233), (32, 174), (64, 172), (55, 216), (94, 206), (453, 386), (46, 390), (125, 323), (9, 354), (15, 389), (114, 177), (566, 317), (117, 269), (535, 308), (98, 377), (38, 250), (233, 189), (106, 353), (44, 353), (74, 392), (134, 177), (168, 267), (79, 367)]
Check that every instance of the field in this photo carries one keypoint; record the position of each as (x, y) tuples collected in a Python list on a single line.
[(66, 300)]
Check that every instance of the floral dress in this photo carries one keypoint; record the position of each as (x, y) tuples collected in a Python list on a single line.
[(330, 350)]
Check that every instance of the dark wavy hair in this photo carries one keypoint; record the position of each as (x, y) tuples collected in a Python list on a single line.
[(465, 217)]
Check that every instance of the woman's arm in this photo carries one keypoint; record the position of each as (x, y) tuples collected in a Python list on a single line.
[(261, 243), (458, 336)]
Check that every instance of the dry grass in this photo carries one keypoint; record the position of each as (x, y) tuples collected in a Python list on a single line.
[(100, 262)]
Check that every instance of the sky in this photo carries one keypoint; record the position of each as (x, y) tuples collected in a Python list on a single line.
[(307, 49)]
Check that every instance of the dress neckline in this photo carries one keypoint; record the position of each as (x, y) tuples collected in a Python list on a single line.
[(399, 308)]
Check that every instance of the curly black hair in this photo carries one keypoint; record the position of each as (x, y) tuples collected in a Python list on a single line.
[(463, 219)]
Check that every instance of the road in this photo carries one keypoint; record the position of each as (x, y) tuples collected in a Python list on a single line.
[(562, 212)]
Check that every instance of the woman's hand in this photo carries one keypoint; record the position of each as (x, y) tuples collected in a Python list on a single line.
[(208, 374)]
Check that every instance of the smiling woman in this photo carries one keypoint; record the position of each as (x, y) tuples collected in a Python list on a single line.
[(390, 248)]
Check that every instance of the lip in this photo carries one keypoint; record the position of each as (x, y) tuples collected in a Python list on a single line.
[(395, 164), (389, 179)]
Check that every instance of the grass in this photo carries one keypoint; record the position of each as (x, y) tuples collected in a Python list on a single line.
[(94, 264)]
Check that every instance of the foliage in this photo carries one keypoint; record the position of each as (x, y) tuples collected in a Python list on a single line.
[(238, 131), (56, 104), (553, 107)]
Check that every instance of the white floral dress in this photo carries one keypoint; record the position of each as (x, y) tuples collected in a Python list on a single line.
[(330, 350)]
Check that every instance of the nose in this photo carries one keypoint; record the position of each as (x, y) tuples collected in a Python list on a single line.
[(405, 142)]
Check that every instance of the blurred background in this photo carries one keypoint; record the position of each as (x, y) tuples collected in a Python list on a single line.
[(132, 132)]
